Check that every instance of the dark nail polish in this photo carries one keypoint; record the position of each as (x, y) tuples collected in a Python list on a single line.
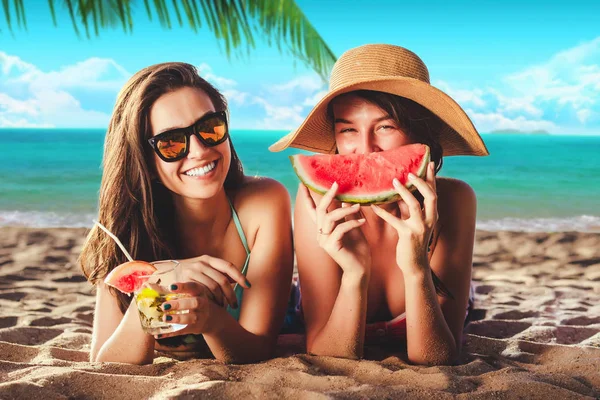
[(173, 287), (168, 318), (248, 283), (166, 306)]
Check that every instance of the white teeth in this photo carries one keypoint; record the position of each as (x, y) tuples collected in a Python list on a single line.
[(202, 170)]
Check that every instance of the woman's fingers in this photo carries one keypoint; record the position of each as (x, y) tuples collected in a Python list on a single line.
[(394, 221), (413, 204), (184, 303), (332, 218), (355, 214), (429, 195), (325, 203), (192, 288), (431, 176), (202, 284), (226, 268), (340, 230), (223, 285), (187, 318)]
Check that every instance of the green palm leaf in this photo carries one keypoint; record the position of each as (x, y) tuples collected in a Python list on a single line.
[(234, 23)]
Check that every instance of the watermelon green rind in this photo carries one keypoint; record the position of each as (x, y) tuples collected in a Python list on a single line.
[(380, 198)]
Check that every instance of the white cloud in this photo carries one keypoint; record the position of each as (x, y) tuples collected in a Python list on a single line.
[(305, 84), (14, 64), (235, 96), (278, 117), (8, 122), (10, 105), (463, 97), (33, 98), (584, 115), (314, 99), (225, 85), (556, 95), (206, 72), (569, 77), (487, 122)]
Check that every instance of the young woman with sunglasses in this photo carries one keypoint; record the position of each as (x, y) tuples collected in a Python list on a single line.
[(173, 187)]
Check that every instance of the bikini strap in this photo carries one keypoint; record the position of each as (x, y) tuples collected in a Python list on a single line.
[(238, 226)]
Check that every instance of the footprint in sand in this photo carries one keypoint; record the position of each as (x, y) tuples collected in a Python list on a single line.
[(30, 336), (7, 322), (13, 296), (71, 279), (50, 321), (581, 320), (515, 314), (496, 329)]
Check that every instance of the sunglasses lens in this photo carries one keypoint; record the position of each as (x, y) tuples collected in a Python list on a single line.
[(172, 145), (213, 130)]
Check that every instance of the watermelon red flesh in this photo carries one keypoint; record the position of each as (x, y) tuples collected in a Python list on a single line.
[(363, 178), (125, 277)]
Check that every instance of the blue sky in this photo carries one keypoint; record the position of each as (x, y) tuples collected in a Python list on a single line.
[(510, 65)]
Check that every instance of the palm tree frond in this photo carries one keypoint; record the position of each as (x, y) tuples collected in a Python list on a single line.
[(52, 11), (19, 13), (148, 10), (177, 13), (6, 7), (283, 21), (233, 23)]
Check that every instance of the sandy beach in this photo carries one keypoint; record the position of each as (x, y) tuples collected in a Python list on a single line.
[(537, 334)]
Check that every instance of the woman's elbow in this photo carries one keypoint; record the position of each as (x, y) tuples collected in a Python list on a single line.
[(350, 353), (438, 358), (103, 357)]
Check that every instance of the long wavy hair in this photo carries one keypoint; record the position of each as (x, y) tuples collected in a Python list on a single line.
[(132, 204), (421, 125)]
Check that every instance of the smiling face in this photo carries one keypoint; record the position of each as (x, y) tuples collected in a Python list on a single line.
[(201, 174), (362, 127)]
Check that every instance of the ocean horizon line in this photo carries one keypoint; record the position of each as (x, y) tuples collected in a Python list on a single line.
[(52, 219), (501, 132)]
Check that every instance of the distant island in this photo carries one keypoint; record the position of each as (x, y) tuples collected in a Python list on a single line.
[(518, 132)]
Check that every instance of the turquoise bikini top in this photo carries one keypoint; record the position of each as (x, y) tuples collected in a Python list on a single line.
[(239, 290)]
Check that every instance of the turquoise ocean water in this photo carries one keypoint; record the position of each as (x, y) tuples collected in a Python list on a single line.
[(51, 177)]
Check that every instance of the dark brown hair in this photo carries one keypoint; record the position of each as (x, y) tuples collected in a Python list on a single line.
[(133, 206), (420, 124)]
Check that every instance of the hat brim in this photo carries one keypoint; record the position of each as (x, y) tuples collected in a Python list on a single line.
[(458, 135)]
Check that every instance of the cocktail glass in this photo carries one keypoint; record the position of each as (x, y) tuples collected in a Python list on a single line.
[(154, 290)]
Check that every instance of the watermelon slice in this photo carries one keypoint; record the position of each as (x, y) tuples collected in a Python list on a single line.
[(125, 277), (363, 178)]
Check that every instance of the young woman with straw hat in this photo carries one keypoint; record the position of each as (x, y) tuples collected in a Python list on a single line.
[(398, 273)]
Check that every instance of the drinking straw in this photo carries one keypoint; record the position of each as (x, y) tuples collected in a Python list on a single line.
[(116, 239)]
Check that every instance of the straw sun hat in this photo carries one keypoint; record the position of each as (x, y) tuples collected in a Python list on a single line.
[(390, 69)]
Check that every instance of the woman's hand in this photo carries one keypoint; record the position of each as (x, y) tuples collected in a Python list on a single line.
[(195, 310), (338, 232), (415, 225), (211, 273)]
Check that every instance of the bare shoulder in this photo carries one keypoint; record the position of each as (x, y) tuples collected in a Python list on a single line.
[(456, 199), (260, 190), (261, 197)]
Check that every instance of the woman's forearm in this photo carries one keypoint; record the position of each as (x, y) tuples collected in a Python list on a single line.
[(128, 344), (429, 339), (230, 342), (343, 334)]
